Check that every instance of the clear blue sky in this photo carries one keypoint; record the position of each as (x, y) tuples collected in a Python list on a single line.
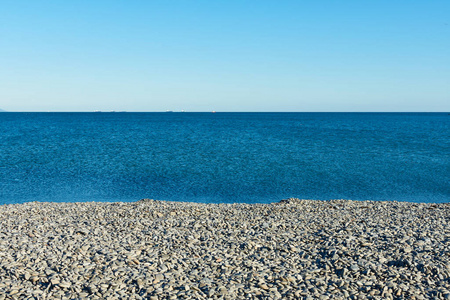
[(225, 55)]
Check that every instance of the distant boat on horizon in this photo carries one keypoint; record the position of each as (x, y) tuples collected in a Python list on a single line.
[(169, 111)]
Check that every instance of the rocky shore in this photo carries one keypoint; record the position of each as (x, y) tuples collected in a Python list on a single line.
[(295, 249)]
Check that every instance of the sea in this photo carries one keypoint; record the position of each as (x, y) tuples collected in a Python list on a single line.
[(224, 157)]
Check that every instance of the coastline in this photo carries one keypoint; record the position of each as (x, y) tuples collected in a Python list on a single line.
[(300, 249)]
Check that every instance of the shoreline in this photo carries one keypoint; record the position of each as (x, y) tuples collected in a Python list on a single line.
[(294, 249)]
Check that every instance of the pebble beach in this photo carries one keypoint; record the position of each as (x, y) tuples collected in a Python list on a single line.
[(293, 249)]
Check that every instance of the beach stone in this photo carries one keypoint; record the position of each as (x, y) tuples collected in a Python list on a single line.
[(65, 284), (354, 268), (302, 249)]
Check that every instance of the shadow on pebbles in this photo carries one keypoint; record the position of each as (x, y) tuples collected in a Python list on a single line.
[(294, 249)]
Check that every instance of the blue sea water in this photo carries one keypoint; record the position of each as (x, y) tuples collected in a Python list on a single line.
[(224, 157)]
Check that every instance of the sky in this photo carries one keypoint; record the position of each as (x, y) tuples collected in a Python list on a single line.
[(225, 55)]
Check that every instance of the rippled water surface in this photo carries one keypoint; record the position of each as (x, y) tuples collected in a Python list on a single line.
[(224, 157)]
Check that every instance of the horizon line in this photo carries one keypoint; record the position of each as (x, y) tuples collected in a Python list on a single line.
[(159, 111)]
